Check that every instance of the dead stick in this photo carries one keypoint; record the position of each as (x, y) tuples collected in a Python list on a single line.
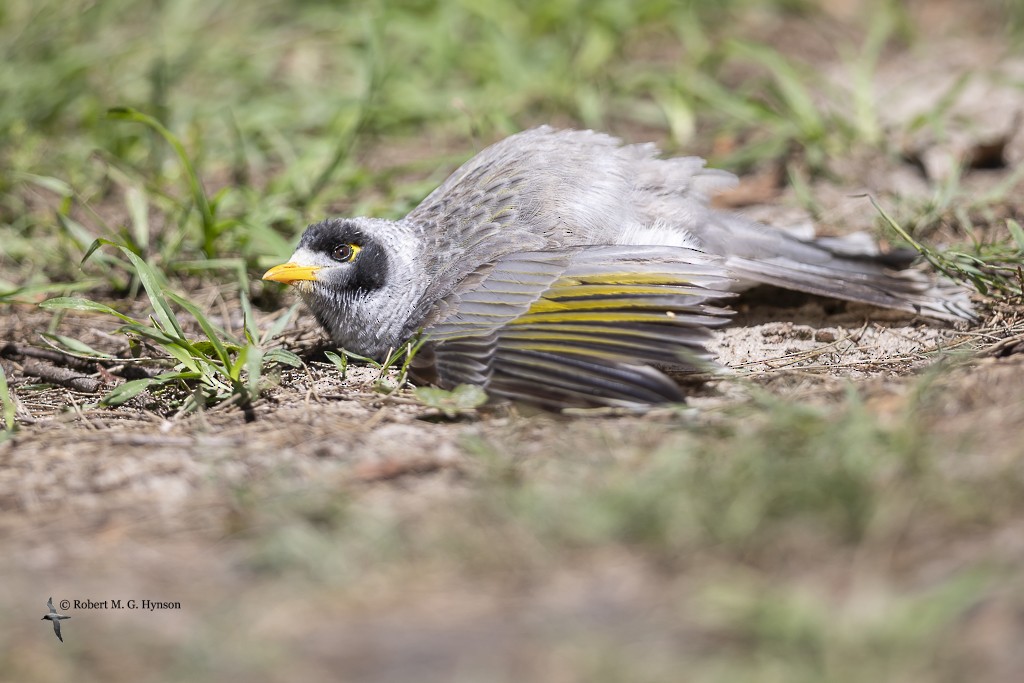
[(12, 349), (62, 376), (116, 366)]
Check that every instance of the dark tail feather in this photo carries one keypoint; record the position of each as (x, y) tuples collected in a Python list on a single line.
[(849, 267), (862, 279)]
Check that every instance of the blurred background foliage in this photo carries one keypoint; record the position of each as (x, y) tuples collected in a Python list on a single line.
[(289, 110)]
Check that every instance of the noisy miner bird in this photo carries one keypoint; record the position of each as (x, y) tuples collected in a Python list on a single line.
[(564, 268)]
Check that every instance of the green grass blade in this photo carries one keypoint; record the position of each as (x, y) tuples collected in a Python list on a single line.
[(364, 359), (55, 185), (727, 102), (213, 333), (864, 68), (179, 348), (277, 327), (151, 282), (7, 402), (195, 186), (252, 332), (96, 244), (138, 210), (792, 85), (252, 360), (186, 359), (285, 357), (70, 303), (123, 393), (72, 346), (150, 332), (1017, 232), (19, 294), (340, 362), (463, 398), (132, 388)]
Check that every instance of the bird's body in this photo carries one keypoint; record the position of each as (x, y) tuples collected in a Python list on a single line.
[(560, 267), (55, 617)]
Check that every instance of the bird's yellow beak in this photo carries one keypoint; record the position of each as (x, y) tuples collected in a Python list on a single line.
[(289, 273)]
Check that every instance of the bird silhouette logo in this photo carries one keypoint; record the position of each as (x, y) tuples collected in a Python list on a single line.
[(55, 617)]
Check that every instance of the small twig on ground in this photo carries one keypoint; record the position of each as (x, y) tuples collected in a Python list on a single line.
[(394, 468), (106, 367), (13, 350), (1007, 347), (65, 377)]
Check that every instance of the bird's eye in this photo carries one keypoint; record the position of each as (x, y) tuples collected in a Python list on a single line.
[(345, 252)]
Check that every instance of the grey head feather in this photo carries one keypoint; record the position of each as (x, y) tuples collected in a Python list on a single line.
[(365, 305)]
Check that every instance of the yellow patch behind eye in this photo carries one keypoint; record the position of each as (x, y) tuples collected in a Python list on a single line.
[(355, 252)]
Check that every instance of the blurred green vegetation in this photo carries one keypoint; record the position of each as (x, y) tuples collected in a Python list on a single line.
[(274, 102)]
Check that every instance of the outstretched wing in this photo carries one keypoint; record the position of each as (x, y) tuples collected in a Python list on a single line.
[(578, 328), (56, 629), (549, 190)]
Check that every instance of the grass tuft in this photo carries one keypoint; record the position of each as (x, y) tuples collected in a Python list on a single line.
[(993, 269), (462, 399), (7, 407), (399, 359), (210, 370)]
